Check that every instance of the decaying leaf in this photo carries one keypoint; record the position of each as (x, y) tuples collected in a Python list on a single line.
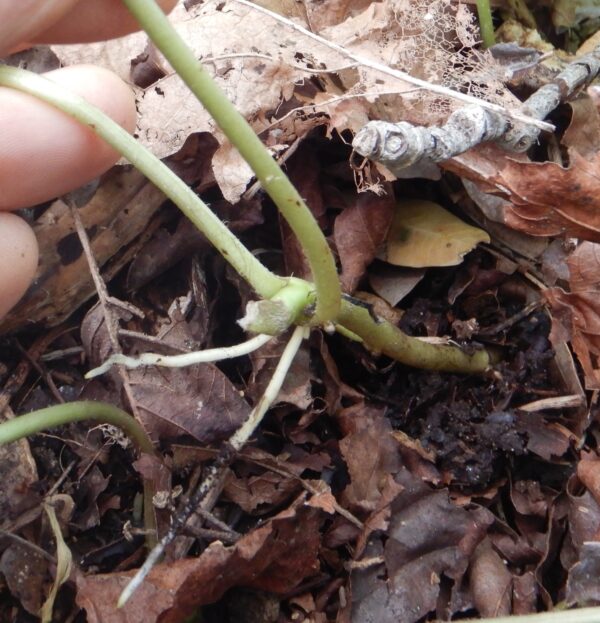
[(262, 63), (425, 234), (429, 538), (544, 198), (576, 314), (64, 560), (359, 232), (120, 210), (274, 557), (24, 571)]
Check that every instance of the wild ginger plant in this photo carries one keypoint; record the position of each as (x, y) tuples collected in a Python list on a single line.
[(284, 301)]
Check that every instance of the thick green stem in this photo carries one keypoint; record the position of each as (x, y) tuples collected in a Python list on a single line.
[(486, 25), (242, 136), (258, 276), (382, 337), (378, 336)]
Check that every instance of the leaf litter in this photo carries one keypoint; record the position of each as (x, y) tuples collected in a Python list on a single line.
[(371, 492)]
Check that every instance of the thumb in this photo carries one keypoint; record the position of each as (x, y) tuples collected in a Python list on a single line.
[(21, 20), (18, 259)]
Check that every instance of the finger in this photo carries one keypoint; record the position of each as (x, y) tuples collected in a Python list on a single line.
[(43, 152), (22, 20), (94, 20), (18, 259)]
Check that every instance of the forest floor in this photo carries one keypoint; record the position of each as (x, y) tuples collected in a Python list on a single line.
[(371, 491)]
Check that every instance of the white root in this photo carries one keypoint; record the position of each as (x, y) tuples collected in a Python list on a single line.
[(180, 361), (235, 444)]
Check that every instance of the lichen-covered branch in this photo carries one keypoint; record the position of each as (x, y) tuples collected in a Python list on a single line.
[(399, 145)]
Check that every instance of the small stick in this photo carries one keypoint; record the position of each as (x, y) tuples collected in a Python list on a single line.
[(399, 145)]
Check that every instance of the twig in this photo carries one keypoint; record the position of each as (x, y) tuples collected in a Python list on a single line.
[(509, 322), (400, 75), (43, 372), (340, 510), (227, 536), (273, 59), (223, 459), (112, 325), (216, 522), (399, 145)]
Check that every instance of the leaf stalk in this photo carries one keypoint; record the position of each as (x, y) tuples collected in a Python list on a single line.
[(242, 136)]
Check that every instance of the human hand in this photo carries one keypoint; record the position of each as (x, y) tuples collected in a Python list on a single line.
[(43, 152)]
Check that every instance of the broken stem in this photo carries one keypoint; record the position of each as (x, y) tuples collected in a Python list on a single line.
[(242, 136), (264, 282), (382, 337), (235, 443)]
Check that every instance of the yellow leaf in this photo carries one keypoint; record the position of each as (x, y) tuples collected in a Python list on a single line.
[(425, 234)]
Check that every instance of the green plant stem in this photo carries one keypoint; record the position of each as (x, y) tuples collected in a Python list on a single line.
[(37, 421), (486, 25), (382, 337), (264, 282), (242, 136), (378, 336), (104, 413)]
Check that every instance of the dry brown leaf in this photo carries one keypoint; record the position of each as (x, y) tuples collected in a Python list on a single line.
[(261, 63), (274, 557), (323, 13), (258, 495), (359, 231), (370, 454), (199, 401), (24, 570), (393, 283), (576, 314), (428, 537), (490, 582), (544, 199)]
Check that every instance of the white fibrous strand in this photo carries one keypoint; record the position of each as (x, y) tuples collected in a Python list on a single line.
[(400, 145)]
